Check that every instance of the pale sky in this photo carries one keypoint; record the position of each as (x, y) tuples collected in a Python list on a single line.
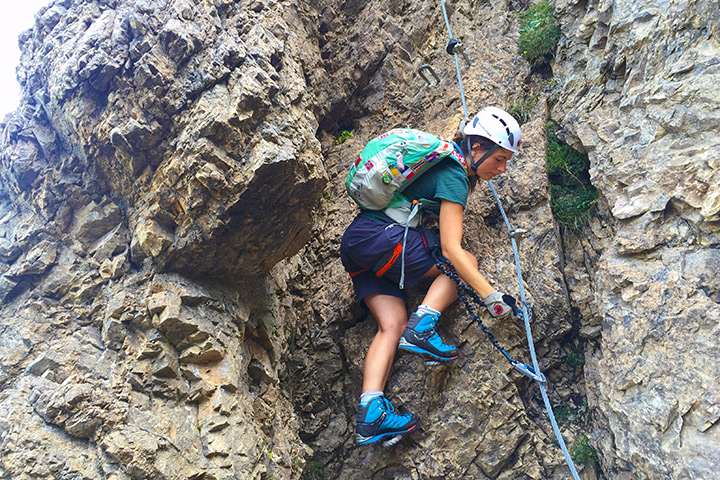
[(16, 17)]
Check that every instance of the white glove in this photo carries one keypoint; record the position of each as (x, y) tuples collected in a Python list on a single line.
[(501, 305)]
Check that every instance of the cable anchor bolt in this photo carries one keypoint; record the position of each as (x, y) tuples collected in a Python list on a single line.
[(427, 67), (517, 233), (455, 46)]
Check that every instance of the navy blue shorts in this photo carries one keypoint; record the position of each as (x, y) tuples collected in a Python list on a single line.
[(371, 253)]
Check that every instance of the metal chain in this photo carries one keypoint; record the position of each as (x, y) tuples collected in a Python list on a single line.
[(462, 288)]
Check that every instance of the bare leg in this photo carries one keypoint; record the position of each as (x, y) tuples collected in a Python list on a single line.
[(391, 317)]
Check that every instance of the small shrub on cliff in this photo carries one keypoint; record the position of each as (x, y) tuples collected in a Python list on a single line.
[(562, 414), (344, 135), (572, 196), (575, 360), (583, 452), (539, 33), (312, 471), (521, 110)]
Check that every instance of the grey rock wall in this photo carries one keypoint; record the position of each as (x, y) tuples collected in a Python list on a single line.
[(180, 114), (638, 92), (171, 204), (162, 161)]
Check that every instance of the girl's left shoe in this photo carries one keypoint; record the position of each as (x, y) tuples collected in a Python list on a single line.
[(420, 337)]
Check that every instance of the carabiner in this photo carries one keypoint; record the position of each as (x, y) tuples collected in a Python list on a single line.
[(528, 371)]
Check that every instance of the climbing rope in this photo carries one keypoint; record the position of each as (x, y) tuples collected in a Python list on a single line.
[(535, 369), (457, 60)]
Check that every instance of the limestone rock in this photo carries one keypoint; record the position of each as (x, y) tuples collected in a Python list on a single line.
[(35, 262), (646, 112), (172, 302)]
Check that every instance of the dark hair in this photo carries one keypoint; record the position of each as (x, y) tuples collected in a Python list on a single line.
[(463, 142), (485, 143)]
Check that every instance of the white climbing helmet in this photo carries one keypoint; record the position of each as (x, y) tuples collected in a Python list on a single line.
[(497, 125)]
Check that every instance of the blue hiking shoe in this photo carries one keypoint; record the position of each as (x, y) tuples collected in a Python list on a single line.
[(420, 337), (377, 421)]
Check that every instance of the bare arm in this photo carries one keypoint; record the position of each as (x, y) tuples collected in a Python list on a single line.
[(451, 228)]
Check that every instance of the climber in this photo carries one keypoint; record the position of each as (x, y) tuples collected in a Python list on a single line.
[(371, 244)]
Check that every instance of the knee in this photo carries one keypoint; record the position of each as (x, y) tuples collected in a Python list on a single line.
[(399, 326), (393, 329)]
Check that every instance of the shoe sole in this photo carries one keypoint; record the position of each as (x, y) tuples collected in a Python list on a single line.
[(394, 437), (405, 345)]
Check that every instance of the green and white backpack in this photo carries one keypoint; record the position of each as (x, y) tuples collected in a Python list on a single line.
[(391, 162)]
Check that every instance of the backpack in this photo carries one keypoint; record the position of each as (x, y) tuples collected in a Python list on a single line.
[(391, 162)]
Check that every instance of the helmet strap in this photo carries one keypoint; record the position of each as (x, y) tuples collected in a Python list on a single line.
[(474, 165)]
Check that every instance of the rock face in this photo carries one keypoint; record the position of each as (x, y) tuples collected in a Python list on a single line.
[(181, 115), (154, 137), (639, 95), (172, 201)]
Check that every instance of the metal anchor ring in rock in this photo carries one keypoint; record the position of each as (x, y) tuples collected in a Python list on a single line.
[(172, 304)]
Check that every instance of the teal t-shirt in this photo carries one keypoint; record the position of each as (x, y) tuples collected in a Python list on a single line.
[(445, 181)]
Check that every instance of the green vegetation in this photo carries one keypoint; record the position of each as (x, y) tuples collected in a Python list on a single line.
[(312, 471), (572, 196), (575, 360), (344, 135), (293, 341), (521, 110), (583, 452), (562, 414), (539, 33), (323, 200)]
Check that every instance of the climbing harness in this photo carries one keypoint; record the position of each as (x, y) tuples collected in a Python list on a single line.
[(534, 371), (414, 211)]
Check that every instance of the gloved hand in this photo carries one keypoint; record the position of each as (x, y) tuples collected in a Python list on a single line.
[(502, 306)]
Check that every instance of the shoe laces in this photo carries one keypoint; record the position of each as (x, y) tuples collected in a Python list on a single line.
[(434, 337), (390, 409), (431, 322), (434, 321)]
